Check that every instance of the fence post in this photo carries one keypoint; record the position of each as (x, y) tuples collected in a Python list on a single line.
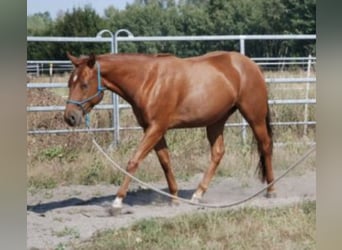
[(244, 123), (306, 107), (37, 70), (116, 103), (114, 96), (51, 72)]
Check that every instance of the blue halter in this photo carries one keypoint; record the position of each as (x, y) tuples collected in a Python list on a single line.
[(100, 89)]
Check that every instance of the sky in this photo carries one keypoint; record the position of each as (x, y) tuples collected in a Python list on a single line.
[(54, 6)]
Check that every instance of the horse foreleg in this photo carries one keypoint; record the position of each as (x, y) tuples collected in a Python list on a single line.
[(152, 135), (215, 137), (164, 159)]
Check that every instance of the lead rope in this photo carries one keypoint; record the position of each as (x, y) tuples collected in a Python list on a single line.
[(235, 203), (87, 122)]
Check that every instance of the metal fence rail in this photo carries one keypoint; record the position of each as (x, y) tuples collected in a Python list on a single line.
[(49, 67), (121, 106), (131, 38), (116, 106)]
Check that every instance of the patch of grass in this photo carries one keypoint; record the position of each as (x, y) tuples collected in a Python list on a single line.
[(92, 173), (68, 231), (291, 227), (41, 182), (60, 246), (51, 153), (189, 153)]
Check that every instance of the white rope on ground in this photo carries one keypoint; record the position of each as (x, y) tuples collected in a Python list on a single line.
[(235, 203)]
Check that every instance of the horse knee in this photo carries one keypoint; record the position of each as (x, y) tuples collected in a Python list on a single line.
[(217, 155), (132, 166), (266, 147)]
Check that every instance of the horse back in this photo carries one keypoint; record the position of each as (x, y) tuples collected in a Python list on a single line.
[(195, 91), (243, 73)]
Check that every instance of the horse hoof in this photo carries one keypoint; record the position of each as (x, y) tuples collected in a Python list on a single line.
[(116, 207), (174, 203), (271, 195), (114, 211), (195, 199)]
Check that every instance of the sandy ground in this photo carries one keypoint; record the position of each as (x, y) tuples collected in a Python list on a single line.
[(74, 213)]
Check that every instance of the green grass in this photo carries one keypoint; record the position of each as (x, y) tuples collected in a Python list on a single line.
[(42, 182), (285, 228)]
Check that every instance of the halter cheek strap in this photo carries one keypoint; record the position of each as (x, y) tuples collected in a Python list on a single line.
[(100, 90)]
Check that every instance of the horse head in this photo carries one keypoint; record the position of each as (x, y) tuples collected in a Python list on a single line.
[(85, 88)]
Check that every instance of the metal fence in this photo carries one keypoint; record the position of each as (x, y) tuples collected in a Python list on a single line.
[(36, 67)]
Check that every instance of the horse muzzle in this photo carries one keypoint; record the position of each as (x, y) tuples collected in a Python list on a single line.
[(73, 117)]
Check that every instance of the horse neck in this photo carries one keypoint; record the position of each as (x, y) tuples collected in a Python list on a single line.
[(123, 74)]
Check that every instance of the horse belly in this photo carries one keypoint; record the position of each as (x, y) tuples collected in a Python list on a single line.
[(205, 105)]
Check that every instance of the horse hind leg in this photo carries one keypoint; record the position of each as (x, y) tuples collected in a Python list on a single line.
[(215, 137), (260, 124), (265, 163)]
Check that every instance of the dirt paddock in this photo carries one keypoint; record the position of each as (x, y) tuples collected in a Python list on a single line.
[(74, 213)]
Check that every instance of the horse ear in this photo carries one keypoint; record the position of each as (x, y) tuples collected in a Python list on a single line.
[(91, 60), (75, 61)]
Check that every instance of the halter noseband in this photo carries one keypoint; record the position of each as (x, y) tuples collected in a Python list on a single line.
[(100, 89)]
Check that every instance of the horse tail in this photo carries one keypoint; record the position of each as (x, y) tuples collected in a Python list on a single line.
[(262, 164), (269, 127)]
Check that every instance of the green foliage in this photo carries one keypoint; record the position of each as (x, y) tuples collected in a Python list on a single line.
[(51, 153), (184, 17), (39, 24), (92, 173), (61, 153), (80, 22), (60, 246)]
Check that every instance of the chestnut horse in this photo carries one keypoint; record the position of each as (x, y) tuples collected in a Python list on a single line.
[(168, 92)]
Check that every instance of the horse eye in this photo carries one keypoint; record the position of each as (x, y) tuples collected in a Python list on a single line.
[(84, 86)]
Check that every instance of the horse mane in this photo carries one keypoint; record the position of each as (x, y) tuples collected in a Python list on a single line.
[(138, 55)]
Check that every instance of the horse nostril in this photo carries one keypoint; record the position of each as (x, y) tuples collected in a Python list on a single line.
[(73, 117), (70, 119)]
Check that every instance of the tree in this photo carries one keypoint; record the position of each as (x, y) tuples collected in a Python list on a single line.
[(39, 24), (80, 22), (182, 17), (301, 19)]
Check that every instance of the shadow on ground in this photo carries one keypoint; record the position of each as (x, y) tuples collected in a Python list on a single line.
[(139, 197)]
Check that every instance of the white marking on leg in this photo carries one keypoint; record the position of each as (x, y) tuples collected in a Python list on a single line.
[(117, 203), (196, 197)]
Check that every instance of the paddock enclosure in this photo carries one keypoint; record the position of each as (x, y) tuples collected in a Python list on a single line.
[(70, 183)]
